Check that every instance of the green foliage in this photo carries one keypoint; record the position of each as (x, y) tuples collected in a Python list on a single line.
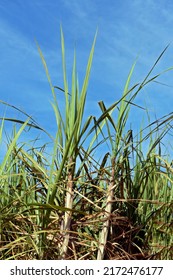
[(71, 205)]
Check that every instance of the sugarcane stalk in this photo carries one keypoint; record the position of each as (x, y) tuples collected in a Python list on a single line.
[(107, 213), (67, 216)]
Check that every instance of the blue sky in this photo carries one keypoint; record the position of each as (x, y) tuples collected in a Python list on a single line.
[(126, 29)]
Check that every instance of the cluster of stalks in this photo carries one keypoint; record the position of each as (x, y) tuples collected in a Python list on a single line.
[(71, 205)]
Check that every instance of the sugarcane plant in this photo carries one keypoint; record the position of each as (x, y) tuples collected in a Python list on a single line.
[(77, 202)]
